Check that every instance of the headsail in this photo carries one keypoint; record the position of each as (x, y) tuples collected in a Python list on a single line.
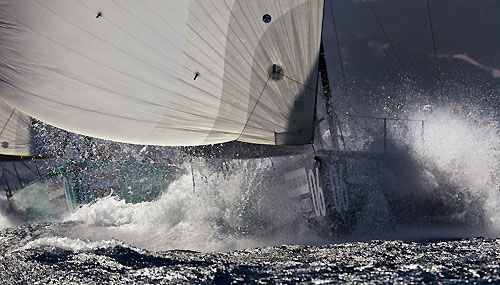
[(15, 132), (188, 72)]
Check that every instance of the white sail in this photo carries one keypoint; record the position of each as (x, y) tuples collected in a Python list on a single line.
[(15, 132), (171, 72)]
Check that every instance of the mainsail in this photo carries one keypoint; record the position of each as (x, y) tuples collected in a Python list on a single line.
[(189, 72), (15, 132)]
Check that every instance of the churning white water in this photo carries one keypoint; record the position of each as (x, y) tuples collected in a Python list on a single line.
[(5, 222), (447, 181), (221, 212), (466, 151), (442, 179)]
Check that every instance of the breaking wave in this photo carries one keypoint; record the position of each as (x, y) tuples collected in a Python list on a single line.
[(443, 182), (467, 153), (5, 222), (225, 210)]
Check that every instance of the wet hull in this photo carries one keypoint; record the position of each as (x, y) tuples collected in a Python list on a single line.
[(331, 190)]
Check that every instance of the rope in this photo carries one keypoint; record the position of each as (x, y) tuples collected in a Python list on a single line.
[(341, 64), (393, 119), (3, 129), (192, 174), (386, 36), (339, 126), (255, 106), (339, 52), (300, 83), (314, 151), (433, 42)]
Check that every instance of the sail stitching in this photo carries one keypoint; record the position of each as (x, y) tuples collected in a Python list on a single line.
[(131, 35), (236, 84), (136, 78), (109, 44), (126, 74)]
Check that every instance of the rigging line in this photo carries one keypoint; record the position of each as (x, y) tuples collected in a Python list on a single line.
[(343, 75), (386, 36), (300, 83), (433, 42), (17, 174), (367, 129), (3, 129), (339, 53), (27, 167), (327, 95), (192, 174), (8, 192), (392, 119), (1, 176), (5, 170), (314, 152), (36, 166), (255, 106), (339, 125)]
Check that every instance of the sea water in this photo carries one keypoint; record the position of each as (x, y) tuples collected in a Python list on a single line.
[(228, 228)]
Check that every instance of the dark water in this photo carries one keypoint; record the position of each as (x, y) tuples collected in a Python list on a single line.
[(30, 255)]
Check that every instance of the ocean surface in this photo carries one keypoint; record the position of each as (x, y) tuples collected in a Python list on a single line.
[(31, 255), (235, 236)]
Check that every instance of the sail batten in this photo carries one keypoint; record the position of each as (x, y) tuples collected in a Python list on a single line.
[(172, 72)]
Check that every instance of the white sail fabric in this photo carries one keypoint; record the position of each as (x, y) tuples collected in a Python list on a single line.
[(125, 70), (15, 132)]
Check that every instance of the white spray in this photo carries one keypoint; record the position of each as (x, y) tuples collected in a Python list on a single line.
[(445, 183), (226, 210)]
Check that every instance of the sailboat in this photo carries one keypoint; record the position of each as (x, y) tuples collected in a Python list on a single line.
[(166, 73), (210, 75)]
